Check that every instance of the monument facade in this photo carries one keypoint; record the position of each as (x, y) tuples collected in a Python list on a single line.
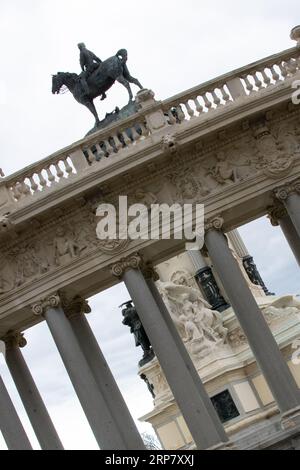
[(232, 144)]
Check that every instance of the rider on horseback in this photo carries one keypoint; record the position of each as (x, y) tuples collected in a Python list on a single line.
[(88, 63)]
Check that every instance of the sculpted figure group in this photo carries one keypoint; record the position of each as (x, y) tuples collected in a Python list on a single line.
[(199, 326)]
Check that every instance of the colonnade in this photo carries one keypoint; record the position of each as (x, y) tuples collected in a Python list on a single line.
[(95, 386)]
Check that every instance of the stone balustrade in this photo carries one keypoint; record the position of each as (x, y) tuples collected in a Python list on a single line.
[(231, 86), (121, 136), (60, 167), (40, 177)]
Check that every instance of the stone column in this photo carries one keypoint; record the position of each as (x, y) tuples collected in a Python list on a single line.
[(260, 338), (177, 368), (92, 401), (151, 276), (207, 282), (75, 310), (289, 195), (279, 216), (10, 424), (29, 394)]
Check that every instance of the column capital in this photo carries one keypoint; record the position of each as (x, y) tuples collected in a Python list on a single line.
[(14, 339), (215, 223), (276, 212), (74, 306), (149, 272), (284, 191), (52, 301), (133, 261)]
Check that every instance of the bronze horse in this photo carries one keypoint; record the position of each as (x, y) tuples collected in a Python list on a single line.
[(103, 77)]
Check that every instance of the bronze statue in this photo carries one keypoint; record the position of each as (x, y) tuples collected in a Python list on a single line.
[(88, 60), (132, 320), (88, 63), (149, 385), (96, 78)]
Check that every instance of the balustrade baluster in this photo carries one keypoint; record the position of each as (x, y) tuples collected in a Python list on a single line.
[(42, 180), (215, 97), (100, 153), (91, 156), (275, 75), (59, 171), (265, 77), (225, 95), (171, 117), (199, 107), (127, 140), (33, 184), (207, 102), (25, 189), (117, 142), (109, 148), (50, 175), (257, 81), (180, 113), (248, 84), (68, 167), (190, 110), (283, 69), (135, 135)]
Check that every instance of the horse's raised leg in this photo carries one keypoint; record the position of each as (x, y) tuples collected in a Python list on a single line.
[(130, 78), (125, 83), (91, 107)]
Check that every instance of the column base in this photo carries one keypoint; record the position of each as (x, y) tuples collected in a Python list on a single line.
[(291, 419), (223, 446)]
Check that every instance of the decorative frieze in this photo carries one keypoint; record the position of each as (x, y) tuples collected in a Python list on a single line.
[(169, 143), (237, 338), (202, 170), (272, 155)]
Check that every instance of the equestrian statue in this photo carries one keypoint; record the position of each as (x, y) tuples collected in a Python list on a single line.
[(96, 78)]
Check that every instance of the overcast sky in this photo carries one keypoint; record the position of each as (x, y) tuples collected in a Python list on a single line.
[(172, 46)]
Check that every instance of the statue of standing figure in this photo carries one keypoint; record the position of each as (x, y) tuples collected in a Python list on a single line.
[(132, 320)]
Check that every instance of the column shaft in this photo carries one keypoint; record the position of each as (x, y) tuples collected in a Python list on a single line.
[(291, 235), (260, 338), (92, 401), (106, 382), (32, 400), (175, 367), (187, 359), (292, 205), (10, 424)]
